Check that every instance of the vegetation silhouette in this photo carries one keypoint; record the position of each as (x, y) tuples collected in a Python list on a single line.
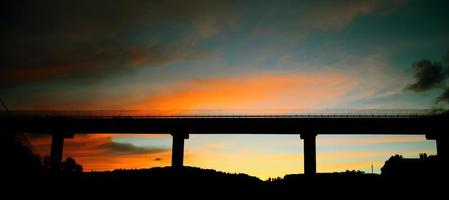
[(71, 166), (20, 160), (424, 166), (18, 156)]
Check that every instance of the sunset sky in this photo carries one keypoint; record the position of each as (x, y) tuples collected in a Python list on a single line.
[(224, 57)]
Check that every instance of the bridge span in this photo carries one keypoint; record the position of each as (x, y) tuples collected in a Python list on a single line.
[(64, 125)]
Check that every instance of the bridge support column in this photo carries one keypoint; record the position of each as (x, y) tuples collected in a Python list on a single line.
[(309, 153), (177, 157), (57, 147), (442, 144)]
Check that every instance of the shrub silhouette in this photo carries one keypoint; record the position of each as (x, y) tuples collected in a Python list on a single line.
[(71, 166), (423, 166)]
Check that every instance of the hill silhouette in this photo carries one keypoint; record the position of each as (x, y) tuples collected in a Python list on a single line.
[(192, 182)]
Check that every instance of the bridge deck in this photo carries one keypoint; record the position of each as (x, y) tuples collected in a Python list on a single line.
[(315, 123)]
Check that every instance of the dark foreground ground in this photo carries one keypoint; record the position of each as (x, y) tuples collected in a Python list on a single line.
[(157, 183)]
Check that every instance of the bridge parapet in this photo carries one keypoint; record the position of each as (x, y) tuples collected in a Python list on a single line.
[(370, 113)]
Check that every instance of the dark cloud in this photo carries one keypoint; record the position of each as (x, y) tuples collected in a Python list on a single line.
[(84, 41), (443, 97), (71, 40), (431, 75), (428, 75), (128, 148)]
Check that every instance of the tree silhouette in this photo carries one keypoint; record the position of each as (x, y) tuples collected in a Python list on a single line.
[(71, 166), (46, 162), (18, 156), (391, 165), (423, 166)]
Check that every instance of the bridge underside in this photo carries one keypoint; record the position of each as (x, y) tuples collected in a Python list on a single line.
[(309, 144), (180, 128)]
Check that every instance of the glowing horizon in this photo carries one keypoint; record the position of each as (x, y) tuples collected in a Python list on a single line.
[(262, 156)]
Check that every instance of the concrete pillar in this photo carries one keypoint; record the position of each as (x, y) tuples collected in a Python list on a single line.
[(442, 145), (309, 153), (177, 158), (57, 146), (443, 148)]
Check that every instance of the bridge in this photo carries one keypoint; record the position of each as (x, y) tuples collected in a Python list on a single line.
[(63, 125)]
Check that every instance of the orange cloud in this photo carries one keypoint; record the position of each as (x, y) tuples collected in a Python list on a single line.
[(99, 153), (266, 93), (249, 94)]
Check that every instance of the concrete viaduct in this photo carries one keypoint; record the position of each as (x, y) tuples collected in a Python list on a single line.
[(64, 125)]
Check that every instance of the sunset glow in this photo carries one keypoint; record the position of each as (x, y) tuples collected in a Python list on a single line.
[(220, 57)]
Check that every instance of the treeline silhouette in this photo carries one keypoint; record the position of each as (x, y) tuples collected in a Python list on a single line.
[(20, 160), (24, 170), (424, 166)]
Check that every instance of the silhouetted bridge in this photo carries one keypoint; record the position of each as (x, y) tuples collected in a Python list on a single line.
[(65, 124)]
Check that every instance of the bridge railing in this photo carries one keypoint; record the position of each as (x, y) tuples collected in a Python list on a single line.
[(150, 114)]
